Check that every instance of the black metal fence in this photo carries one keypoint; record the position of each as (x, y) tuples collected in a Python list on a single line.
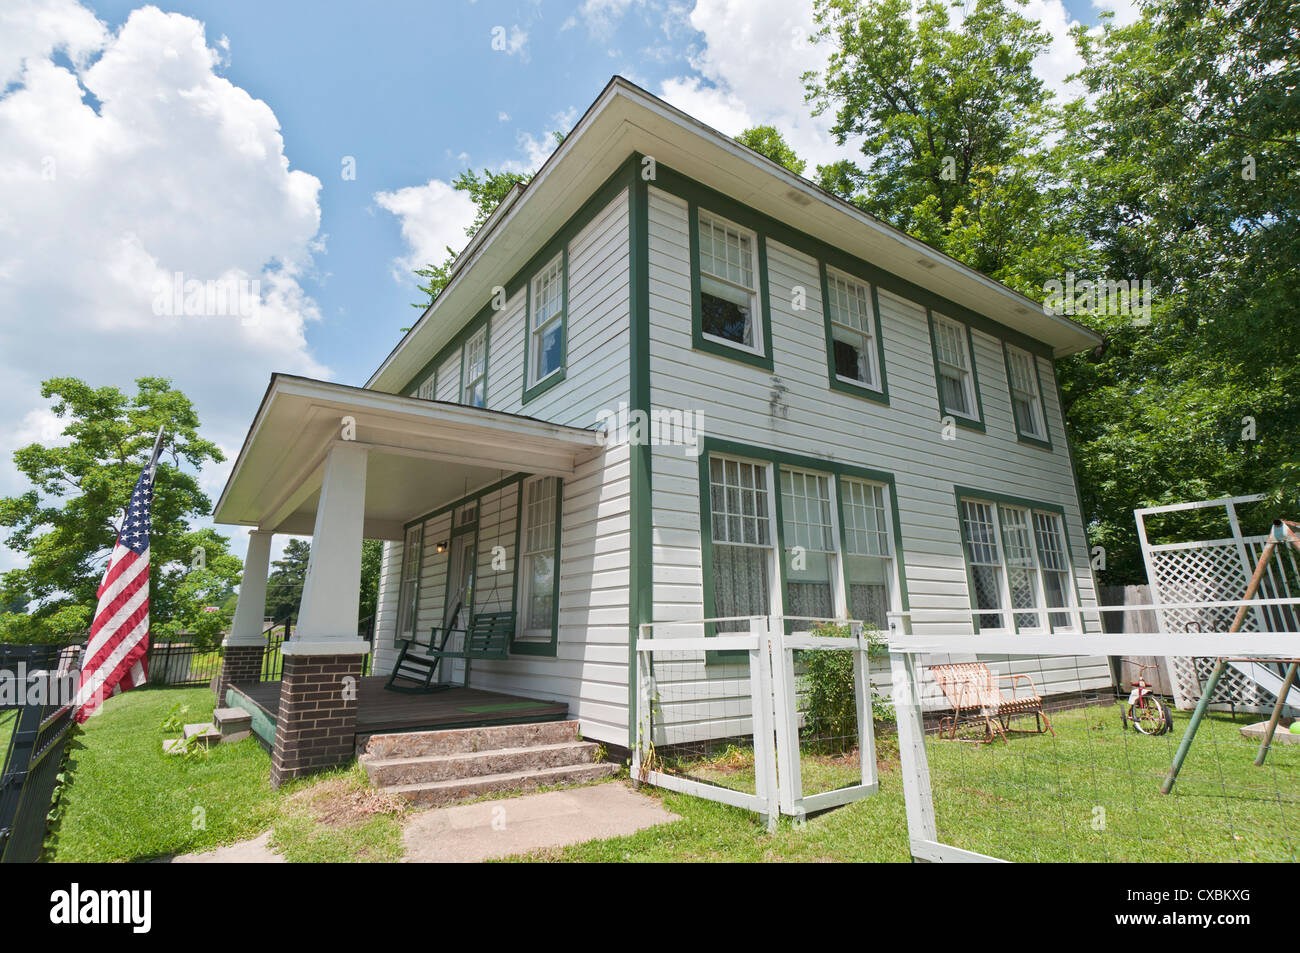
[(35, 719)]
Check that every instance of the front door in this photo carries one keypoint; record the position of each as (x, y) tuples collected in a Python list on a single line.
[(460, 582)]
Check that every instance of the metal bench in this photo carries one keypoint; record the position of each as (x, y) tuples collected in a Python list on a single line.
[(973, 692), (487, 637)]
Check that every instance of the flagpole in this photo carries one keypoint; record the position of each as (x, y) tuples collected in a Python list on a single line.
[(157, 451)]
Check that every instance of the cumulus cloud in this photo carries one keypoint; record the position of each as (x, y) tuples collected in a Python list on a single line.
[(433, 218), (138, 164)]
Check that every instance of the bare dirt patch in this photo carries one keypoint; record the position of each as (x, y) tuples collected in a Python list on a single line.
[(339, 803)]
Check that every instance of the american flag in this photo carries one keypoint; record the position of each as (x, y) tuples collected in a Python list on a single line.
[(119, 637)]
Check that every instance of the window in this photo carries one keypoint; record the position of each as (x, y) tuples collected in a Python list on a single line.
[(868, 567), (473, 390), (546, 321), (851, 332), (428, 389), (728, 284), (409, 590), (955, 368), (808, 541), (1026, 398), (539, 553), (1019, 570), (742, 540)]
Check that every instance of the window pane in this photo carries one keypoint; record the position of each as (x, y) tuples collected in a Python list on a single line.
[(806, 511), (548, 347), (868, 581), (852, 356), (726, 313), (541, 591), (952, 386), (739, 584), (738, 496), (808, 585), (863, 510)]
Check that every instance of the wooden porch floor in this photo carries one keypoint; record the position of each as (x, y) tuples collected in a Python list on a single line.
[(381, 711)]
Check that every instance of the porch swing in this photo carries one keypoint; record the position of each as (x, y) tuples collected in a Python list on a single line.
[(487, 636)]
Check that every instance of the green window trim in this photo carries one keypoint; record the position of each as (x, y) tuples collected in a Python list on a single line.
[(961, 493), (537, 388), (708, 345), (778, 459), (484, 324), (836, 382), (961, 420), (1043, 443), (532, 647)]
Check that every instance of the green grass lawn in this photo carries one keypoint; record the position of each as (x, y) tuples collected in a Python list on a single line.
[(129, 801), (1033, 798)]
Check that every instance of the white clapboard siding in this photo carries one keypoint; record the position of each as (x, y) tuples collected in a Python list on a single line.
[(589, 671), (904, 438)]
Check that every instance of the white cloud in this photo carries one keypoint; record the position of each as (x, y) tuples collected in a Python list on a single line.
[(749, 67), (600, 17), (173, 169), (433, 217)]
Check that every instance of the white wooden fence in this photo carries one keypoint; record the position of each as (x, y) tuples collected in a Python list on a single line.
[(697, 692)]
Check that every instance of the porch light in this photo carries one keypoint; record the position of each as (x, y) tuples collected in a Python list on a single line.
[(442, 547)]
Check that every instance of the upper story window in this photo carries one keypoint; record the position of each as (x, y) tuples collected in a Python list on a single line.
[(428, 389), (852, 326), (954, 360), (728, 284), (473, 373), (1026, 396), (1018, 568), (547, 307)]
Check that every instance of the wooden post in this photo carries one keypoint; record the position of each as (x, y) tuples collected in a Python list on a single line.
[(1203, 704), (1276, 716)]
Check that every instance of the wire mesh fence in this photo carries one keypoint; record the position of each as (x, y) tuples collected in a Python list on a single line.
[(996, 764), (776, 721)]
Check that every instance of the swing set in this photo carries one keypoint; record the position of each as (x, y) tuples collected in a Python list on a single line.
[(1283, 531)]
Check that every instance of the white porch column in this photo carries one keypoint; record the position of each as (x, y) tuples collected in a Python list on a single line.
[(331, 594), (250, 611)]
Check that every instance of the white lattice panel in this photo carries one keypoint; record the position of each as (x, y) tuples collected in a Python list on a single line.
[(1217, 571)]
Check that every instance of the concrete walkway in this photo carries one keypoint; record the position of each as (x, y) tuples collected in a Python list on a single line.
[(473, 832), (255, 851)]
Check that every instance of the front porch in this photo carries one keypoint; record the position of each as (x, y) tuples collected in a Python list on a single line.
[(380, 711), (345, 464)]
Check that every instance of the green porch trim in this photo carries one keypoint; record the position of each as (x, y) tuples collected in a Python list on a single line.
[(641, 528), (960, 420), (605, 194), (698, 340), (984, 496), (1043, 444), (833, 379), (553, 378), (779, 458), (693, 191), (525, 647)]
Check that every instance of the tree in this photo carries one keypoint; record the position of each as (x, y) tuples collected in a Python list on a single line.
[(1187, 172), (768, 141), (956, 129), (372, 558), (66, 524), (284, 584)]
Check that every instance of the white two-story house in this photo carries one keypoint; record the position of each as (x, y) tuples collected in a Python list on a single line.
[(660, 372)]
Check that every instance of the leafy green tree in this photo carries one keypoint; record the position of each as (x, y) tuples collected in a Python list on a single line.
[(768, 141), (284, 584), (956, 129), (66, 524), (372, 558), (1188, 174)]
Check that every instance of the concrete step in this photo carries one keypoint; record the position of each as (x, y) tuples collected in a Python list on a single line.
[(234, 724), (432, 793), (204, 731), (388, 772), (416, 744)]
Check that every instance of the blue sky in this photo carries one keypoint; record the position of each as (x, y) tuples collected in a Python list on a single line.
[(208, 138)]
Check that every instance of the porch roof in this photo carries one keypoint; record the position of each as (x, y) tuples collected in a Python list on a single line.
[(420, 454)]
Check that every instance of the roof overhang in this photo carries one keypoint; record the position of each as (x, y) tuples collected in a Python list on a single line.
[(421, 454), (627, 119)]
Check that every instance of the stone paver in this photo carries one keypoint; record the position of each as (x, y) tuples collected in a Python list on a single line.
[(473, 832), (255, 851)]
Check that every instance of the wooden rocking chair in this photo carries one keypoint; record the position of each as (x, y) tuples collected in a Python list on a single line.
[(973, 692)]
